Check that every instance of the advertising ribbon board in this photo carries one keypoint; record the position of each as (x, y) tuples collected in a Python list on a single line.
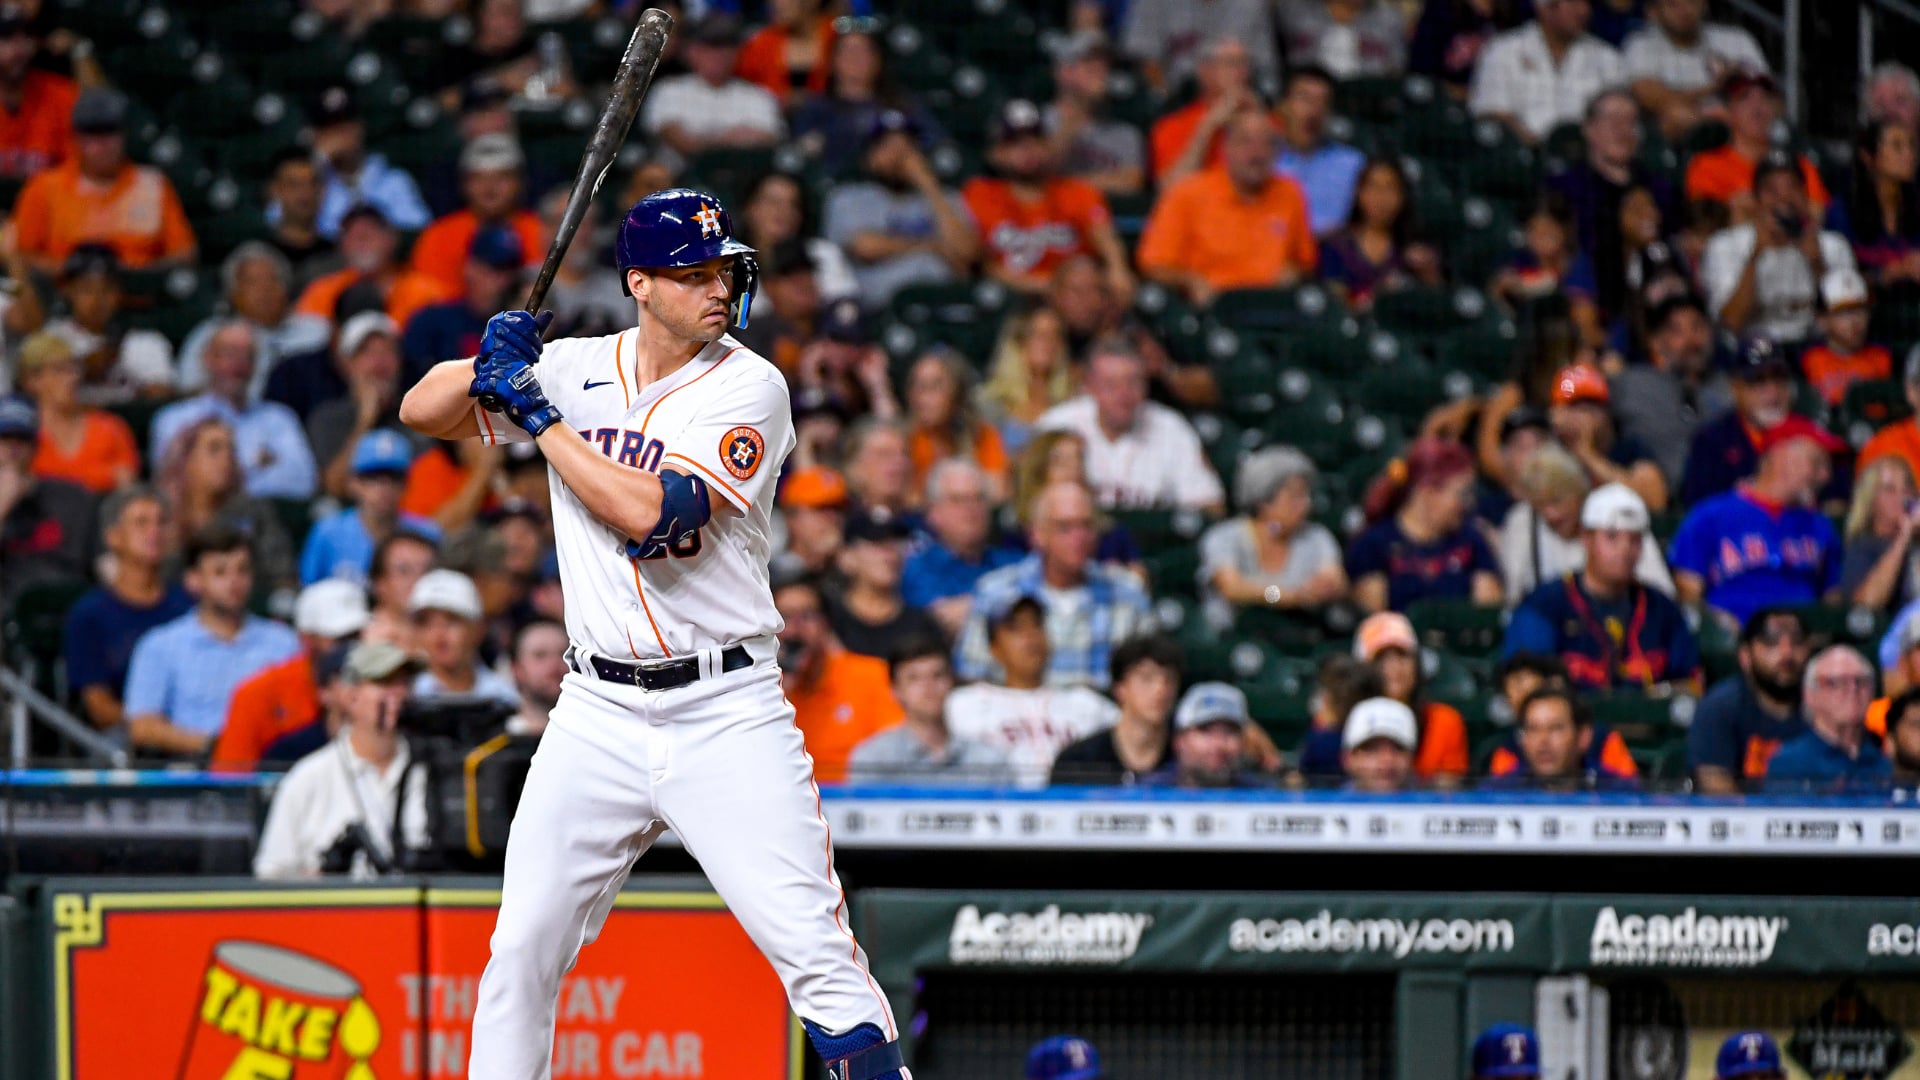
[(380, 983)]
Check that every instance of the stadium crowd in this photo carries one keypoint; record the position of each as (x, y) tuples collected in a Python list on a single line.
[(1365, 392)]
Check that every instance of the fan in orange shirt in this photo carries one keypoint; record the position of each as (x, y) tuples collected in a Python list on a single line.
[(1188, 139), (492, 181), (1239, 226), (99, 196), (796, 30), (372, 278), (944, 424), (89, 447), (1030, 219), (288, 696), (839, 698), (35, 106), (1725, 174), (1386, 640)]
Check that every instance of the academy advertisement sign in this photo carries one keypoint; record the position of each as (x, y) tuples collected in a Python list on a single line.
[(1682, 939)]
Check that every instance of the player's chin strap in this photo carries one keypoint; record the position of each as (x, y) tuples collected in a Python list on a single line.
[(861, 1054)]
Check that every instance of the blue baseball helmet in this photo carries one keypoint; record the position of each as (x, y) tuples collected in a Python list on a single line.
[(1063, 1057), (1506, 1051), (682, 227), (1747, 1053)]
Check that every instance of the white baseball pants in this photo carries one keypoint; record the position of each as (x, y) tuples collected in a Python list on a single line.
[(720, 762)]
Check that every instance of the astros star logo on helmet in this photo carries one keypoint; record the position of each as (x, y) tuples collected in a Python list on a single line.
[(709, 220), (741, 450)]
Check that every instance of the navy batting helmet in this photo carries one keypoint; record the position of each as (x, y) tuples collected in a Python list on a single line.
[(682, 227)]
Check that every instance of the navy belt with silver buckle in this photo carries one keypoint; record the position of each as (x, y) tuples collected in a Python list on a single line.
[(659, 675)]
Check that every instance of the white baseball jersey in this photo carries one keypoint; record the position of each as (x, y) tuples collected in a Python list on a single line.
[(723, 417), (1159, 464), (1030, 727)]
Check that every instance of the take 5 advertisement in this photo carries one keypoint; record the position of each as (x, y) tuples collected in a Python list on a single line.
[(381, 984)]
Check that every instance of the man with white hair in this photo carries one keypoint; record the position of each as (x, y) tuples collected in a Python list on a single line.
[(1609, 630), (448, 622), (1141, 455), (1836, 751), (1892, 93), (257, 282), (1090, 607), (273, 451), (940, 574)]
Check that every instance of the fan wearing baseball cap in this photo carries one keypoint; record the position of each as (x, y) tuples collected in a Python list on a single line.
[(1028, 218), (1748, 1055), (1766, 542), (1386, 641), (342, 546), (1064, 1057), (1609, 630), (450, 622), (1582, 419), (1506, 1052), (1210, 740), (1845, 356), (1376, 747), (1900, 439)]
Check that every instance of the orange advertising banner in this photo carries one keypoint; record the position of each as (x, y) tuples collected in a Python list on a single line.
[(380, 983)]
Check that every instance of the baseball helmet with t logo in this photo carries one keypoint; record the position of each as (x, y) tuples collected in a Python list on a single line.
[(684, 227)]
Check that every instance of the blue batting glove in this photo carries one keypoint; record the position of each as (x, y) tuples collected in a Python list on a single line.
[(516, 388)]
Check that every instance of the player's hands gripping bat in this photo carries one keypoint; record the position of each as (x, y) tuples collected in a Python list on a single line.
[(511, 337)]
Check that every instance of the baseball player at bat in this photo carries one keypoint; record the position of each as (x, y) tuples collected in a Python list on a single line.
[(663, 444)]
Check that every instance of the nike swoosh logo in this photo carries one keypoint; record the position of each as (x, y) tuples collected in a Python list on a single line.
[(590, 384)]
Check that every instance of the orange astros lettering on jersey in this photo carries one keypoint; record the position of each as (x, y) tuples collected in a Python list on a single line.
[(741, 450)]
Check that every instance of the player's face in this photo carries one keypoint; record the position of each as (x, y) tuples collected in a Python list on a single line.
[(1378, 765), (447, 639), (1146, 692), (1551, 741), (689, 301), (222, 580), (1210, 752), (922, 686)]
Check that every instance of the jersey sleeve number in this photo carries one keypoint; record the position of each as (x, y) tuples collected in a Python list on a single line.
[(684, 548)]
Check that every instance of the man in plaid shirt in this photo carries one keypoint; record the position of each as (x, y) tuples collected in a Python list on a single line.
[(1090, 607)]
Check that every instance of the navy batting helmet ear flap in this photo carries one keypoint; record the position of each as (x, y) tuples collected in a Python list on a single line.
[(684, 227)]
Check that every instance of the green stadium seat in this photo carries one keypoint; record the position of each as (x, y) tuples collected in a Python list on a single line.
[(320, 61), (1430, 310), (1565, 144), (151, 69), (1484, 349), (1499, 167), (34, 632), (729, 172), (1160, 530), (1276, 309), (1870, 406), (1372, 100), (1460, 627), (1408, 389), (1488, 235), (964, 316), (1174, 570), (1861, 627), (419, 46), (1644, 722), (1449, 677), (296, 517), (1292, 633)]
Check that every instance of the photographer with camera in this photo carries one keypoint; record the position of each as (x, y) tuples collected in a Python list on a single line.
[(342, 808), (1762, 278)]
